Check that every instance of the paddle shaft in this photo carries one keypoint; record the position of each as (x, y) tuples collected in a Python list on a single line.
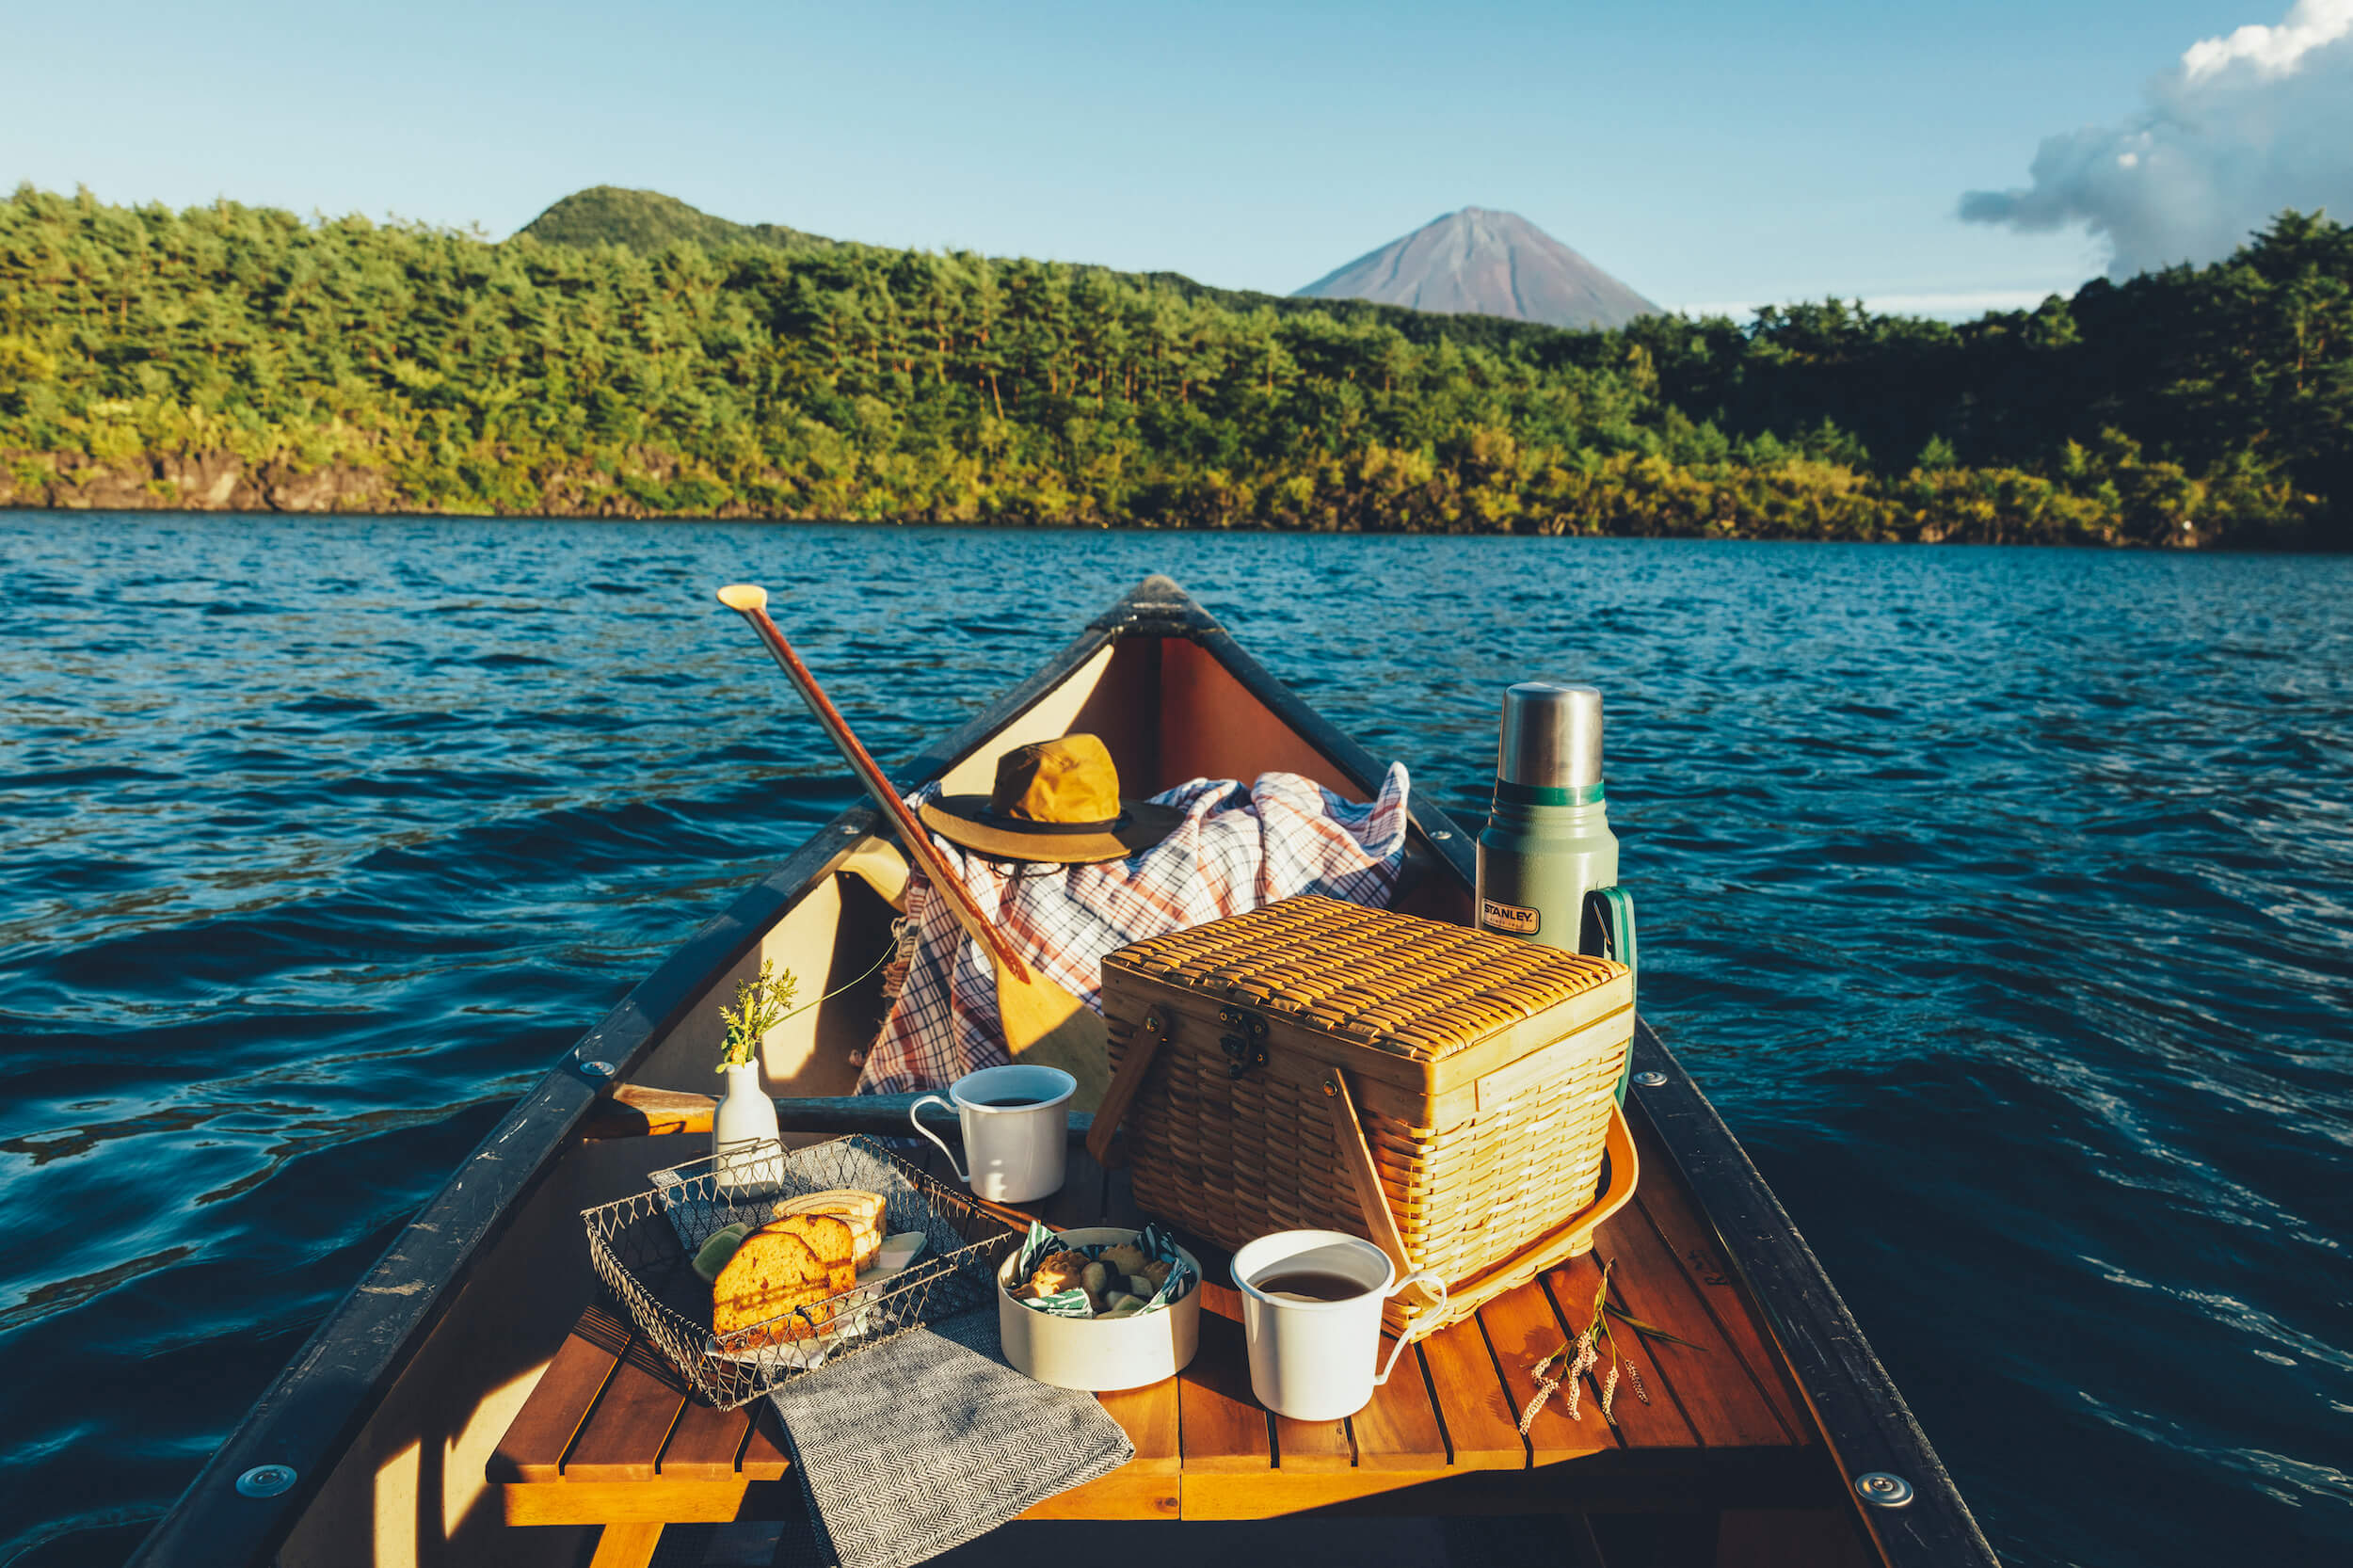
[(918, 842)]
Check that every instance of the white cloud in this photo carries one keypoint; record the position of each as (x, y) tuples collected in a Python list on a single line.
[(2272, 51), (2244, 125)]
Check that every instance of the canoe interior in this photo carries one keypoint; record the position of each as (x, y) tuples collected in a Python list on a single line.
[(410, 1490)]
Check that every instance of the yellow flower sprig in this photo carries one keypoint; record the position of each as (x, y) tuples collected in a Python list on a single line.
[(760, 1005)]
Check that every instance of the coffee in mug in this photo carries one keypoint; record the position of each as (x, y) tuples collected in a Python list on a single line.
[(1015, 1129), (1311, 1317), (1309, 1285)]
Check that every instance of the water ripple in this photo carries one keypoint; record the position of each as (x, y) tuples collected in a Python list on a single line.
[(1999, 898)]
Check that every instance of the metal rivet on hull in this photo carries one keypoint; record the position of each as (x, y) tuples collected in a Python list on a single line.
[(596, 1069), (1881, 1490), (1651, 1080), (265, 1480)]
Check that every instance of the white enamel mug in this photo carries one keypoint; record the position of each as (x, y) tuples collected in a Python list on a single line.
[(1016, 1150), (1313, 1360)]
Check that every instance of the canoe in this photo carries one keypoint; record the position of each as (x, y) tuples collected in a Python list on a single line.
[(381, 1442)]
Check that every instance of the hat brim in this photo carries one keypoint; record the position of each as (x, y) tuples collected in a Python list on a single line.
[(964, 820)]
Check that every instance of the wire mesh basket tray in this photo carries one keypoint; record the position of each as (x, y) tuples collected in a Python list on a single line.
[(643, 1248)]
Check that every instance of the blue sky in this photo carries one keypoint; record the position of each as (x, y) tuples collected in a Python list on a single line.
[(1710, 155)]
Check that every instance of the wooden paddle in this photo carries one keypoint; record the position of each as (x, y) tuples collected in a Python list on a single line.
[(1044, 1024)]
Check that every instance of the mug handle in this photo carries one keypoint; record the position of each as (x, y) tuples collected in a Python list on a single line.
[(935, 1099), (1428, 1281)]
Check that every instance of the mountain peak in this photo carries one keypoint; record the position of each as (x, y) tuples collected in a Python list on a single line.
[(1478, 260)]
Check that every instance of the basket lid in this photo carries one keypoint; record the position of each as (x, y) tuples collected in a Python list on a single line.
[(1417, 988)]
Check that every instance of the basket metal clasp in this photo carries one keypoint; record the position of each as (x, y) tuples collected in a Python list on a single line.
[(1246, 1048)]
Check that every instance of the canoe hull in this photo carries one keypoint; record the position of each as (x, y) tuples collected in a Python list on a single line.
[(393, 1410)]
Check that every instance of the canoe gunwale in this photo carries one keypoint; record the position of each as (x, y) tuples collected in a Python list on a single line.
[(319, 1401)]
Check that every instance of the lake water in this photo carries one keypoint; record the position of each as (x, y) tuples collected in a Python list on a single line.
[(2000, 898)]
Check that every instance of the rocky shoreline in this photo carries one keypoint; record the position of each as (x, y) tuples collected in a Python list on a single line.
[(206, 481), (222, 481)]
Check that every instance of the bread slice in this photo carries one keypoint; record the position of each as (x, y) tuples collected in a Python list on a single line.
[(831, 1238), (788, 1270), (846, 1201), (770, 1275), (862, 1211)]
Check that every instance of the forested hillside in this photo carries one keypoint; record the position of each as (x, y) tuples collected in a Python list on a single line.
[(229, 356), (646, 220)]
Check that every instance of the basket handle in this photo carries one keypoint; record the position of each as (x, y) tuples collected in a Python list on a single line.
[(1142, 1047), (1348, 1133), (1625, 1169)]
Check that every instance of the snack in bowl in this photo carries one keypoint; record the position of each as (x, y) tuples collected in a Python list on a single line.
[(1113, 1340), (794, 1265), (1060, 1272), (861, 1211), (1066, 1277)]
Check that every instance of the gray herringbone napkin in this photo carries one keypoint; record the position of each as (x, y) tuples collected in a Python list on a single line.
[(914, 1446)]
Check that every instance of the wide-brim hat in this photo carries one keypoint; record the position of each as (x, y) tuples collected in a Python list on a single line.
[(1056, 801)]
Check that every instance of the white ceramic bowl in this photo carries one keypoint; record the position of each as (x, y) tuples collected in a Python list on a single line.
[(1099, 1354)]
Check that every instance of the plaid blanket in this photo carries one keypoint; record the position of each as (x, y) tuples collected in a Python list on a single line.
[(1238, 848)]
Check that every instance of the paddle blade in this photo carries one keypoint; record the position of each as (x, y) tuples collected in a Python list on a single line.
[(1047, 1027), (743, 597)]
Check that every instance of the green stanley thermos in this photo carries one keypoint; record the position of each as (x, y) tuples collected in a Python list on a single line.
[(1548, 861)]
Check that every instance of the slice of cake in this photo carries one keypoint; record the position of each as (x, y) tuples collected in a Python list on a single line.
[(861, 1211), (784, 1276)]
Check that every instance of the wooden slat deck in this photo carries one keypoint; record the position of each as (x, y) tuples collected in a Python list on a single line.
[(610, 1436)]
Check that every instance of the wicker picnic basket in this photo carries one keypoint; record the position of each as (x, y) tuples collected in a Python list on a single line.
[(1446, 1092)]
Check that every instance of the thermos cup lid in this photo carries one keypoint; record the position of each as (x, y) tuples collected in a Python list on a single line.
[(1551, 735)]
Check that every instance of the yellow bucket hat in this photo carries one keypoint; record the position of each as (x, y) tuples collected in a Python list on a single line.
[(1056, 801)]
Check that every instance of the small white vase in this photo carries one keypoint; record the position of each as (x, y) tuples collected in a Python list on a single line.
[(744, 1128)]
